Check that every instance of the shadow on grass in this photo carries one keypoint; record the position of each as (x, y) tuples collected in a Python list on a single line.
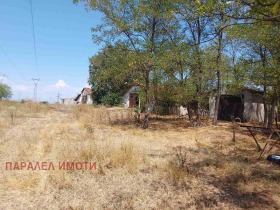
[(237, 176), (156, 122)]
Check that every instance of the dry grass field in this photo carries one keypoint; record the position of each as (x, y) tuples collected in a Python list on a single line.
[(168, 166)]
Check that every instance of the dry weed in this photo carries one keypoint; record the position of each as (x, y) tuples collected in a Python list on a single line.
[(177, 168), (125, 156), (60, 180), (25, 181), (236, 172), (88, 124), (12, 113), (204, 172)]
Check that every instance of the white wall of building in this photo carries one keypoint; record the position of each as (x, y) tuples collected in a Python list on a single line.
[(183, 111), (125, 97), (88, 97), (253, 107), (68, 101), (212, 101)]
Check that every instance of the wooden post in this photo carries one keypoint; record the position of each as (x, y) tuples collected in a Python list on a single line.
[(233, 137), (259, 147)]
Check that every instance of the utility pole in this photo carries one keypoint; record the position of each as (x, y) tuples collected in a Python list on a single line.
[(35, 89), (58, 97)]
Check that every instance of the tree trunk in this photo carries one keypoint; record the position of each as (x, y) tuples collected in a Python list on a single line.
[(198, 114), (200, 72), (146, 117), (218, 73), (276, 119), (271, 115), (262, 53), (217, 100), (148, 71), (190, 114)]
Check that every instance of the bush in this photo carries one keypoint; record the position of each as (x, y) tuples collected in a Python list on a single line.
[(12, 113), (5, 91), (111, 99)]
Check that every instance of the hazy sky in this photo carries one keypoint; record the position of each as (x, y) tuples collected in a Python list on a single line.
[(64, 44)]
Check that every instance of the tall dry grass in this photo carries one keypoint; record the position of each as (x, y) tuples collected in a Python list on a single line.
[(176, 167)]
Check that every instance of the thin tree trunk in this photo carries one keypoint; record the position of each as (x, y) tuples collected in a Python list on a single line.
[(262, 53), (218, 74), (217, 100), (190, 114), (276, 119), (198, 114), (148, 70), (146, 117), (198, 108), (271, 115)]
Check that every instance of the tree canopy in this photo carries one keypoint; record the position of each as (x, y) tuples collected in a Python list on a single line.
[(179, 52), (5, 91)]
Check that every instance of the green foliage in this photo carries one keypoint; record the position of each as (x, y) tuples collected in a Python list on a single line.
[(5, 91), (111, 99), (179, 52), (109, 72)]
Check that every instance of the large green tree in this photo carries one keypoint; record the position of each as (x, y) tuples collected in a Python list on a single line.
[(110, 74), (186, 48), (138, 24), (259, 31), (5, 91)]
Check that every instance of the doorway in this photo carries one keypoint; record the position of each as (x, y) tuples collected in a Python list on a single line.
[(231, 107), (133, 100)]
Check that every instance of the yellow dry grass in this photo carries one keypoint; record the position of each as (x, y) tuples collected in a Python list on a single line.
[(169, 166)]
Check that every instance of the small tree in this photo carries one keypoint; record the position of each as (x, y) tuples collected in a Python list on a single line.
[(5, 91)]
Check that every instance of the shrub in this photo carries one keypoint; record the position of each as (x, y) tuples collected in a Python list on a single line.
[(177, 168), (111, 99), (12, 113), (5, 91), (125, 156)]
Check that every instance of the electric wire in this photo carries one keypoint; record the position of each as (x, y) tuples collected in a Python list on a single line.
[(13, 64), (34, 40)]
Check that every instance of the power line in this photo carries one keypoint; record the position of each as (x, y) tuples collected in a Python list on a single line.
[(16, 82), (34, 40), (13, 64)]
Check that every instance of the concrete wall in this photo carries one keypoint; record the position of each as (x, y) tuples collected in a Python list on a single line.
[(68, 101), (125, 97), (88, 97), (183, 111), (79, 100), (253, 107), (212, 101)]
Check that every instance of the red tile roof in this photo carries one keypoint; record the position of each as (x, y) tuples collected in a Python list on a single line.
[(89, 90)]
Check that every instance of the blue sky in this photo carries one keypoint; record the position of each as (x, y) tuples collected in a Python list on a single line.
[(64, 44)]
